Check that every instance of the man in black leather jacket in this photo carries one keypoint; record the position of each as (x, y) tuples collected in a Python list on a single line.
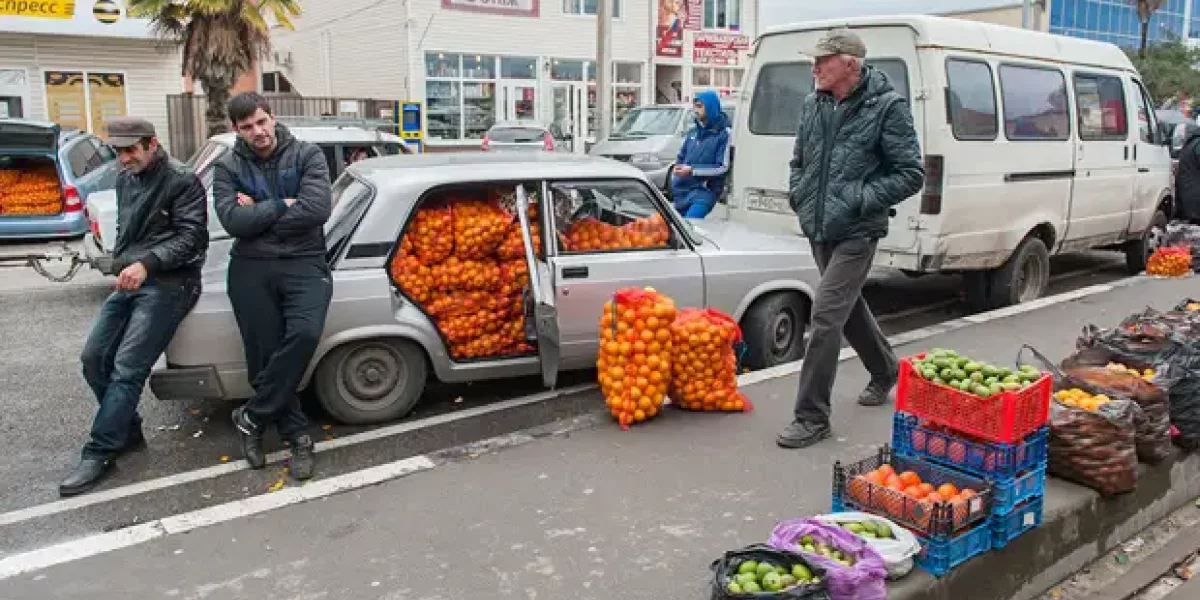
[(162, 238), (272, 195), (1187, 179)]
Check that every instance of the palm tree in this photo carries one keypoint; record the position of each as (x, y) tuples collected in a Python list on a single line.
[(1145, 10), (221, 40)]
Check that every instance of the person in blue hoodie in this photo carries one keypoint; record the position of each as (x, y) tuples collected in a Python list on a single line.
[(703, 162)]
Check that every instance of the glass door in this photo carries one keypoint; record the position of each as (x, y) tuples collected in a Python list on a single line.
[(519, 102), (569, 123)]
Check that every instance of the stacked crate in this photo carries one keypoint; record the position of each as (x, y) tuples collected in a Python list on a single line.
[(998, 444)]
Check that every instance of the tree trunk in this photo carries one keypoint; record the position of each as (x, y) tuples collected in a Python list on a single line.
[(1145, 33), (216, 116)]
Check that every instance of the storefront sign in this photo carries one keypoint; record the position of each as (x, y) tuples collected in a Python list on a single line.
[(105, 18), (674, 17), (514, 8), (718, 48), (38, 9)]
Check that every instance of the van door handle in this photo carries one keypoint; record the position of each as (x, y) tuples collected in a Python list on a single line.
[(575, 272), (1126, 152), (1143, 169)]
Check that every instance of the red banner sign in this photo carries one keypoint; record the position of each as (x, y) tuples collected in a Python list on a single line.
[(674, 17), (718, 48)]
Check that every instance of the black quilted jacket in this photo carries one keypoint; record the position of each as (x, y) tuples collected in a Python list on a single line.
[(853, 161)]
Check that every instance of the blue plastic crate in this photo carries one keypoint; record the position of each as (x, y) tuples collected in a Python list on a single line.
[(989, 460), (1006, 527), (1008, 493), (940, 556)]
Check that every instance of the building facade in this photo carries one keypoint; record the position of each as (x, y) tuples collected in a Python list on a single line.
[(1116, 21), (82, 63), (1008, 13), (473, 63)]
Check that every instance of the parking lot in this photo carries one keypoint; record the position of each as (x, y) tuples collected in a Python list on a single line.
[(192, 460)]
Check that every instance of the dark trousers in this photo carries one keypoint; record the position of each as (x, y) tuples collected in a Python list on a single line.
[(280, 306), (132, 330), (839, 309)]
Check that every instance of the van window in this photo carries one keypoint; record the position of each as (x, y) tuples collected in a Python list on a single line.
[(971, 101), (1035, 103), (1147, 119), (781, 89), (1101, 102)]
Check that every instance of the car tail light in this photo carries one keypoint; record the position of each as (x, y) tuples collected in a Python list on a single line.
[(548, 142), (486, 143), (931, 197), (72, 203)]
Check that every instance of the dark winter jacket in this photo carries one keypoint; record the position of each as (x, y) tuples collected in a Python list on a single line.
[(853, 161), (269, 228), (1187, 179), (162, 220), (705, 150)]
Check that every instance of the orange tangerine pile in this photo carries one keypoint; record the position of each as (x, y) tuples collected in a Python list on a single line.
[(479, 227), (906, 497), (32, 192), (634, 362), (1170, 262), (703, 365), (591, 234)]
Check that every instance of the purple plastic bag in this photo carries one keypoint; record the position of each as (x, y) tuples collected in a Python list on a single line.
[(866, 580)]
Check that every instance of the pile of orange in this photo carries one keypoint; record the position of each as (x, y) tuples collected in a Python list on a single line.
[(450, 262), (1170, 262), (904, 496), (634, 362), (30, 192), (589, 234), (512, 247), (703, 365)]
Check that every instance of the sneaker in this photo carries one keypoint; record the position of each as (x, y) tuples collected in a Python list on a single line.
[(251, 438), (802, 434), (877, 394), (303, 458)]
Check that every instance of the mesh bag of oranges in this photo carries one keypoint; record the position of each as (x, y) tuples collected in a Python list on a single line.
[(634, 362), (479, 227), (1173, 261), (432, 233), (1093, 440), (703, 362)]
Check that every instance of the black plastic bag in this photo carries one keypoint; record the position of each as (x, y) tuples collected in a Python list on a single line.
[(728, 564), (1184, 234)]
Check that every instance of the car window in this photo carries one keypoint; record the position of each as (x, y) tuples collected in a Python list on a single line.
[(608, 216), (350, 199), (516, 135), (971, 100), (1035, 103), (1146, 117), (330, 159), (1101, 102), (106, 152), (204, 167), (649, 120), (781, 88)]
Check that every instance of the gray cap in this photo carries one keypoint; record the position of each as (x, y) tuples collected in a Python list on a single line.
[(838, 41), (124, 132)]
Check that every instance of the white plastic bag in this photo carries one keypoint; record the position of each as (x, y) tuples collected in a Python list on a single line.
[(897, 553)]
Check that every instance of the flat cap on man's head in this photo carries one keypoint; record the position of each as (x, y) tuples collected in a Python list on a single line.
[(124, 132), (837, 41)]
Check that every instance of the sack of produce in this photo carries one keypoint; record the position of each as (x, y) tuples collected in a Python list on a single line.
[(634, 361), (512, 246), (896, 545), (703, 363), (1098, 370), (1172, 261), (479, 227), (854, 570), (432, 233), (760, 571)]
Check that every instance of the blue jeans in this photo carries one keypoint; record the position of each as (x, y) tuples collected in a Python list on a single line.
[(695, 203), (130, 333)]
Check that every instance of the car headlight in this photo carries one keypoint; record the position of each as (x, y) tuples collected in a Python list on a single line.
[(646, 160)]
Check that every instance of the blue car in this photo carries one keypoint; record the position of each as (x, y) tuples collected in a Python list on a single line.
[(32, 152)]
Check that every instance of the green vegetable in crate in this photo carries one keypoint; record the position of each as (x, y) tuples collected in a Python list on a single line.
[(753, 576), (947, 367)]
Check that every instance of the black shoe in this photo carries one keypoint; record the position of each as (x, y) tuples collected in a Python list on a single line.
[(802, 434), (877, 394), (303, 458), (86, 475), (251, 438), (137, 441)]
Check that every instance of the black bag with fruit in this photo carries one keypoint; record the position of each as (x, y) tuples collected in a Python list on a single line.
[(760, 571), (1103, 372)]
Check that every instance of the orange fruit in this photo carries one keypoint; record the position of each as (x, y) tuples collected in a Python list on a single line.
[(926, 488), (910, 478), (886, 470), (914, 492), (947, 490)]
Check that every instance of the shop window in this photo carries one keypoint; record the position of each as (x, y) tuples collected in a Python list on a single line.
[(702, 76), (518, 68), (461, 258), (276, 82), (589, 7), (627, 73), (566, 70), (443, 113), (1035, 103), (723, 14), (441, 64), (479, 109), (627, 85), (972, 100), (479, 66), (1101, 107), (606, 216)]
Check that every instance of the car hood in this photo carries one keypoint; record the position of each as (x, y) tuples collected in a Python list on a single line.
[(649, 145), (734, 236)]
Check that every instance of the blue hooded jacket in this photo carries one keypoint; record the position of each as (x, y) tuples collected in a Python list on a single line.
[(705, 150)]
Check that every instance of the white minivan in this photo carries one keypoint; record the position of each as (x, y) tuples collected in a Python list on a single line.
[(1034, 145)]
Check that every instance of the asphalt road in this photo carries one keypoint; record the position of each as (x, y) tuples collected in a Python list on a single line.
[(45, 407)]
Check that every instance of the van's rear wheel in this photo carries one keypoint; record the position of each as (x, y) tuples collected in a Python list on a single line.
[(1138, 251), (774, 330), (1023, 278), (371, 381)]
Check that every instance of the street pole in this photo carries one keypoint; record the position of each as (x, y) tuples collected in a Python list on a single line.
[(1026, 14), (604, 95)]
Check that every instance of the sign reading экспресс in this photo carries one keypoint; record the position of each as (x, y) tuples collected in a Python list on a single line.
[(515, 8)]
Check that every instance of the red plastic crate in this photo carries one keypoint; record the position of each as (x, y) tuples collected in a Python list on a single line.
[(1005, 418)]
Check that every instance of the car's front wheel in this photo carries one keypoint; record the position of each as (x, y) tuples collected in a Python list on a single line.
[(371, 381), (774, 330)]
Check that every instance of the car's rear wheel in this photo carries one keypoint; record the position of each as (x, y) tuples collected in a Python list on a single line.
[(371, 381), (774, 329), (1138, 251)]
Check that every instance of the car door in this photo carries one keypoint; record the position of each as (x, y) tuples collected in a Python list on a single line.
[(1152, 156), (1104, 167), (603, 245)]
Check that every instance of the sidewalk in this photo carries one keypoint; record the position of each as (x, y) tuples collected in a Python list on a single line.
[(605, 514)]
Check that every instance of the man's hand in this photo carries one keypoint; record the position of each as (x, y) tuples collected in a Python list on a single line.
[(132, 277), (683, 170), (289, 201), (245, 200)]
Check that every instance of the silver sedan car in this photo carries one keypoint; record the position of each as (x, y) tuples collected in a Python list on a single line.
[(384, 337)]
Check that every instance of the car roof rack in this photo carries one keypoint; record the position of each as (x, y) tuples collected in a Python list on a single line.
[(332, 121)]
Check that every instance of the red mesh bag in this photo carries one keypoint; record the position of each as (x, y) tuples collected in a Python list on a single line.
[(456, 274), (703, 361), (479, 227), (432, 234), (634, 361)]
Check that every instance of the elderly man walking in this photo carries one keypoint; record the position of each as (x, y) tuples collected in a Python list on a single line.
[(856, 156)]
